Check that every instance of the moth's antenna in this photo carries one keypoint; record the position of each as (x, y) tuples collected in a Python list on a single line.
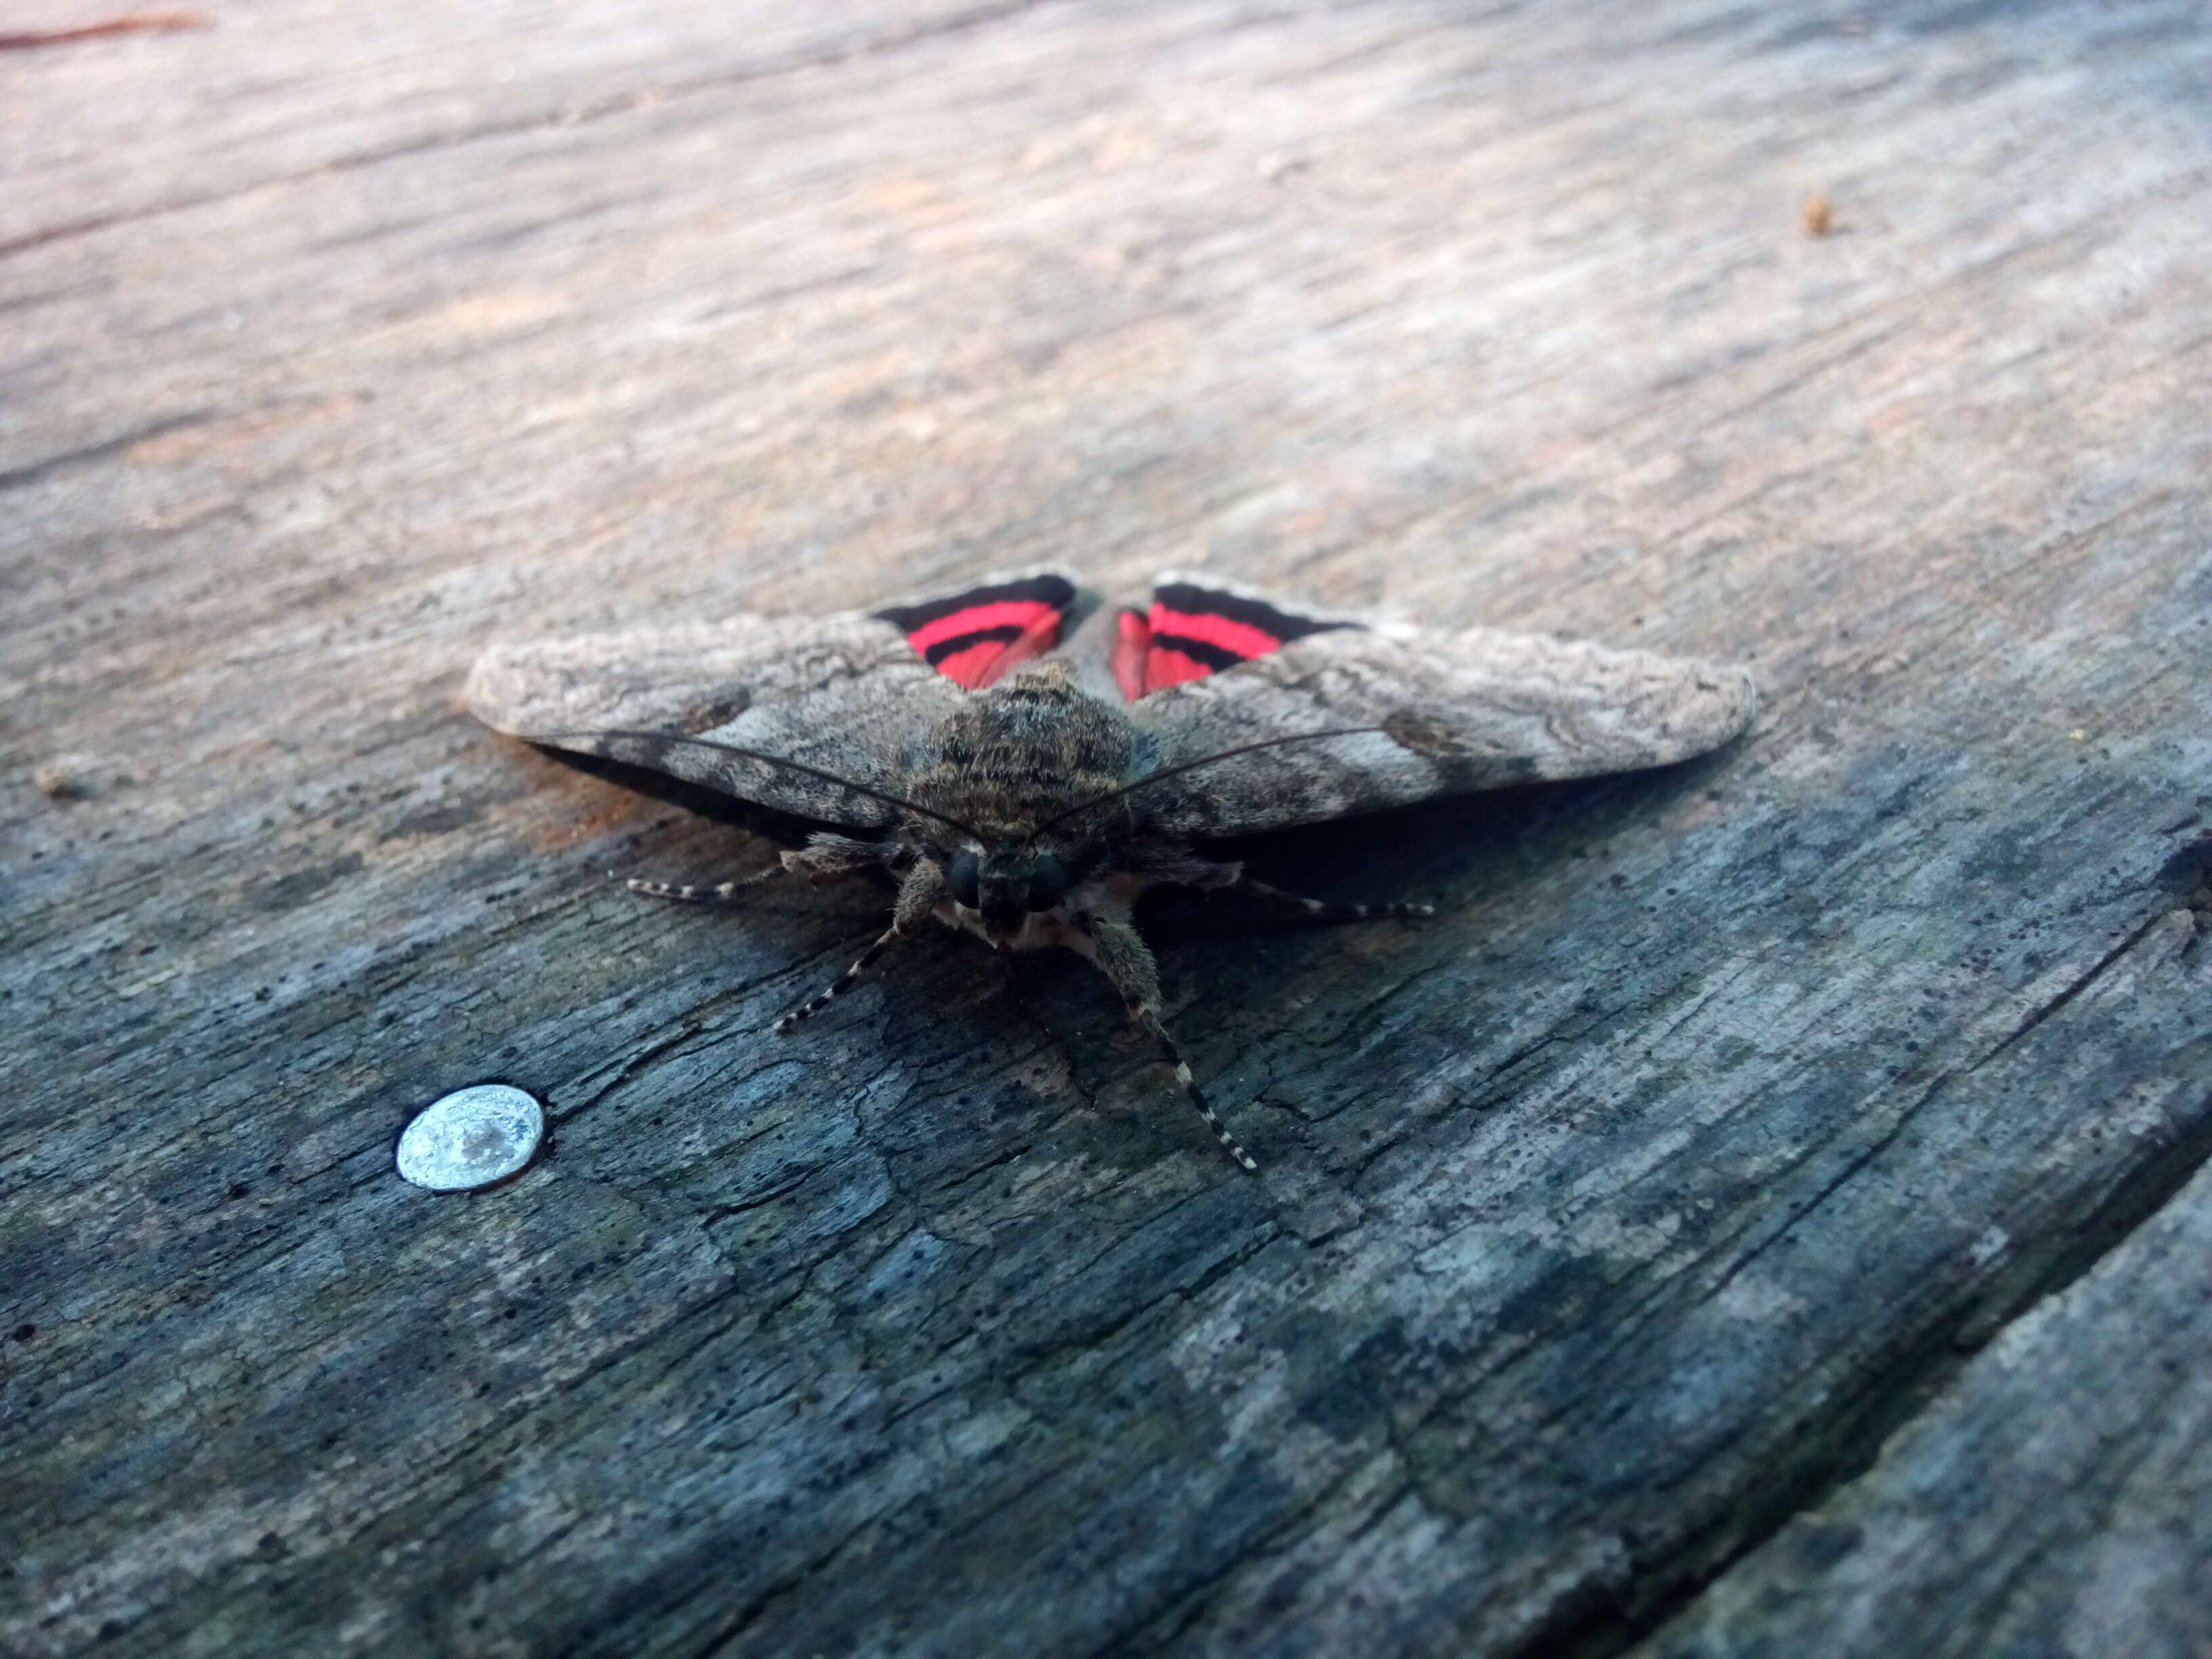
[(1151, 778), (559, 738)]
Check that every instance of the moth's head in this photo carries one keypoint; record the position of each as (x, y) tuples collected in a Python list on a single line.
[(1007, 885)]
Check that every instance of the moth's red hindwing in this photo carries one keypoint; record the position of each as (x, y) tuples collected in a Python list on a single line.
[(1194, 631), (1132, 646), (974, 637)]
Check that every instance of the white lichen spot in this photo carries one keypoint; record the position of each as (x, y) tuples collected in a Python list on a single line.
[(1993, 1243), (1761, 1301)]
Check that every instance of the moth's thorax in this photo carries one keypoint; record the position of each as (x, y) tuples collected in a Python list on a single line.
[(1025, 750)]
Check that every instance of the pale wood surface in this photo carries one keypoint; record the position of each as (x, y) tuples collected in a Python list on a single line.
[(1607, 1221)]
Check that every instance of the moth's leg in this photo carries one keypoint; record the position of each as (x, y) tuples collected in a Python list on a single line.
[(828, 855), (1177, 865), (1124, 957), (722, 892), (1333, 909), (825, 855), (918, 898)]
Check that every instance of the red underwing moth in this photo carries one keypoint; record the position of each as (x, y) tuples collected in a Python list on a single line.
[(1027, 762)]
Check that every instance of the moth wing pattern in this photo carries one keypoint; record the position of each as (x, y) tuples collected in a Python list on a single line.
[(974, 635), (1457, 713), (842, 694), (1198, 625)]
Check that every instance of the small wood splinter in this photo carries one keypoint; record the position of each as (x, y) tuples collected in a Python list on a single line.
[(136, 22)]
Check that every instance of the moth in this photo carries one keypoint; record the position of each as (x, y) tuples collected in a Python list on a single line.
[(1026, 761)]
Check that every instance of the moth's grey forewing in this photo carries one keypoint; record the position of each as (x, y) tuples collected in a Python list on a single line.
[(842, 696), (846, 696), (1457, 713)]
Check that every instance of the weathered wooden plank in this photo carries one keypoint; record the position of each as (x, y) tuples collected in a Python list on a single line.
[(1604, 1219), (2053, 1501), (131, 128)]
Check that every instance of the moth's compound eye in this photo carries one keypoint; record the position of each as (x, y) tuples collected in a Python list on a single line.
[(1047, 881), (962, 877)]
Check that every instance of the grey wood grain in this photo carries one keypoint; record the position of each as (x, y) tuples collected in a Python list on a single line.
[(1607, 1220), (2055, 1500), (265, 94)]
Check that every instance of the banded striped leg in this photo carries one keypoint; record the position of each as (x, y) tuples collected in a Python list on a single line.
[(918, 896), (722, 892), (825, 855), (1333, 909), (1149, 1018), (838, 987), (1124, 957)]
